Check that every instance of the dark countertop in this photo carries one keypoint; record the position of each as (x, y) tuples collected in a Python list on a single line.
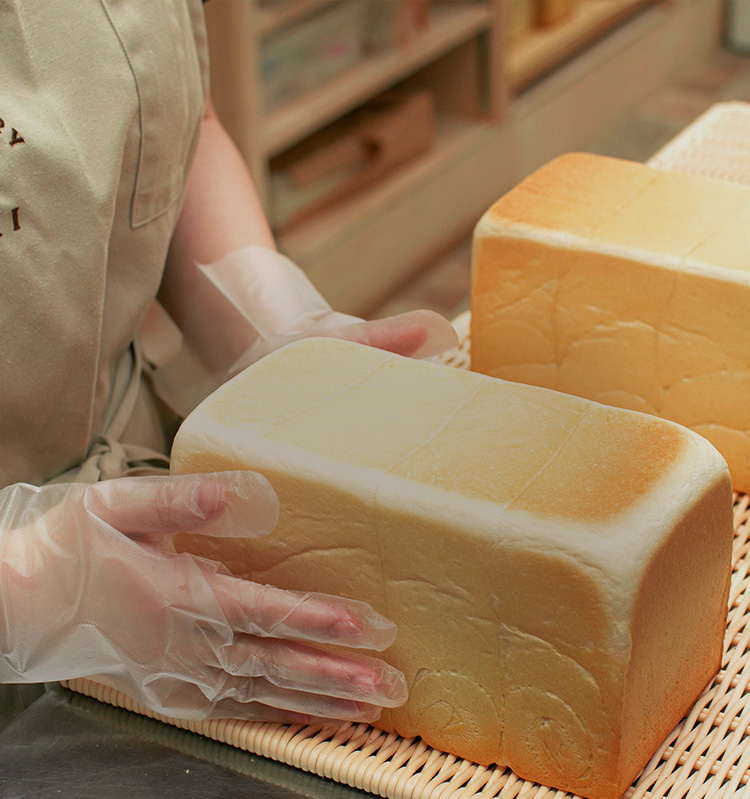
[(54, 743)]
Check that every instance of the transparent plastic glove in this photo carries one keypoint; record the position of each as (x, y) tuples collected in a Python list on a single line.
[(277, 305), (88, 589), (416, 334), (281, 305)]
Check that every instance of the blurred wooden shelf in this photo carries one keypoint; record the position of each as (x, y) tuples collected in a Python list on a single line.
[(277, 14), (544, 48), (450, 26), (577, 77), (456, 138), (398, 218)]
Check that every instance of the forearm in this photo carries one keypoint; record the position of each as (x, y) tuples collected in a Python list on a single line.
[(221, 210), (221, 213), (272, 302)]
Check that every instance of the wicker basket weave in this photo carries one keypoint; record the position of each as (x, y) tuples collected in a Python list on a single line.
[(716, 145), (706, 755)]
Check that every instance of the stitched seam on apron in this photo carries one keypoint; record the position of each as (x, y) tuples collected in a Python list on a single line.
[(140, 102), (141, 131), (162, 207)]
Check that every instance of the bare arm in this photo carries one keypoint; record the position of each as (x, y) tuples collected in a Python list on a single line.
[(221, 213)]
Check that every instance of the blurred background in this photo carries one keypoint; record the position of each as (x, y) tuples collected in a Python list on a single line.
[(379, 131)]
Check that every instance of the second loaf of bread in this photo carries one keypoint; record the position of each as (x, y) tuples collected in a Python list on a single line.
[(558, 570), (623, 284)]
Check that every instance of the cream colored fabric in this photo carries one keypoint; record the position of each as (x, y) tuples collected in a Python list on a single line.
[(100, 105), (623, 284), (558, 570)]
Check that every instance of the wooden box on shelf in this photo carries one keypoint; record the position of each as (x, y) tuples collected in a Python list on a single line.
[(552, 12), (350, 155)]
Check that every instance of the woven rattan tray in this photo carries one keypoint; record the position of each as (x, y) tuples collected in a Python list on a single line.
[(706, 755)]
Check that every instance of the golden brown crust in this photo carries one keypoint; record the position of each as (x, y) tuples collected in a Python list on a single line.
[(626, 285), (473, 513), (573, 193)]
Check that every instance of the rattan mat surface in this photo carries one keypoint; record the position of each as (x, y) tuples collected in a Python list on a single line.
[(707, 755), (716, 145)]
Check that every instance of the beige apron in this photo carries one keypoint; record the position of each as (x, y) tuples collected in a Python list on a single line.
[(100, 104)]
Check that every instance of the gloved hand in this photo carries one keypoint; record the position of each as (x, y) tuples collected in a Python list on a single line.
[(281, 305), (273, 303), (88, 589)]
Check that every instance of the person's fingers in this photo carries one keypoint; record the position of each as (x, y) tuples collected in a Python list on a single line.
[(251, 509), (136, 505), (383, 334), (416, 334), (299, 667), (249, 692), (221, 503), (273, 612)]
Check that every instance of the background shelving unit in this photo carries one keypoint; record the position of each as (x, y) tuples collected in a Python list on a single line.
[(502, 110), (272, 18), (543, 48), (451, 26)]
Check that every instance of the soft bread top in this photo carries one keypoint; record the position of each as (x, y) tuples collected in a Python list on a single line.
[(692, 219), (429, 432)]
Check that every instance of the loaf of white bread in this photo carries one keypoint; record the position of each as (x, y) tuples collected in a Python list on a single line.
[(558, 569), (623, 284)]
